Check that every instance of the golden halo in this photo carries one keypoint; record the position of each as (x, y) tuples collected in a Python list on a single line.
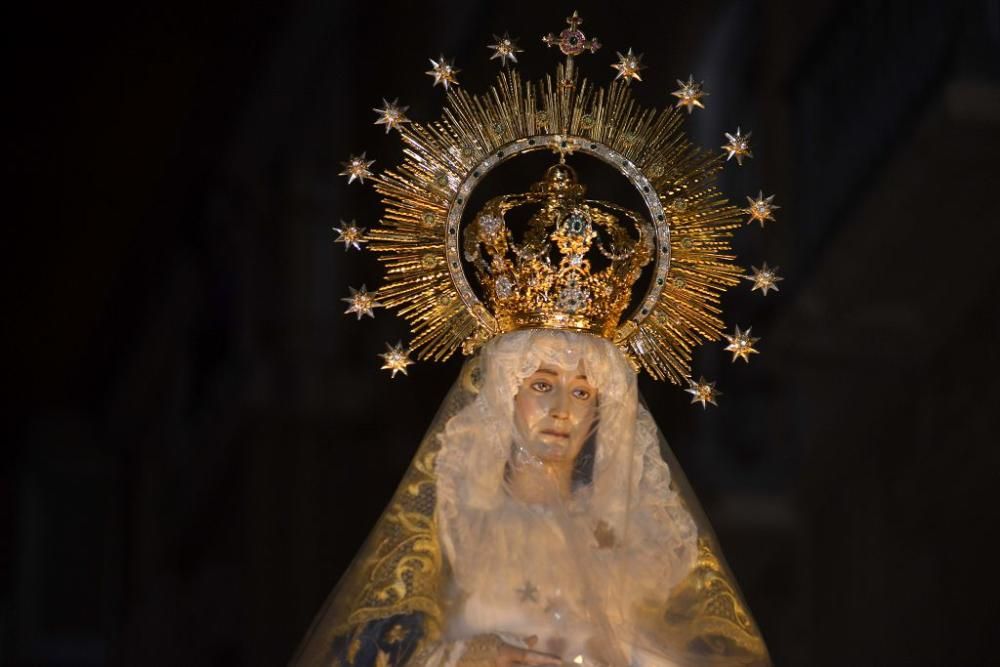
[(444, 161)]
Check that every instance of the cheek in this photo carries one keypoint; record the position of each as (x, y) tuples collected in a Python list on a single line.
[(529, 407), (583, 417)]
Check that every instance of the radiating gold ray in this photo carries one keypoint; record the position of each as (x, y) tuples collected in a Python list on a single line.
[(439, 156)]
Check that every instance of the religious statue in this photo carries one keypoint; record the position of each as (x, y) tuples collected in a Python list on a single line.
[(544, 520)]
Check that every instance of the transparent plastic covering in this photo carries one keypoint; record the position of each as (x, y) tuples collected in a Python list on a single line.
[(543, 521)]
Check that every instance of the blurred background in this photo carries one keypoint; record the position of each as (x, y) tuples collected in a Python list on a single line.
[(198, 439)]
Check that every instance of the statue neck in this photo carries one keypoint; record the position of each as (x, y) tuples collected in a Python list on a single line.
[(540, 483)]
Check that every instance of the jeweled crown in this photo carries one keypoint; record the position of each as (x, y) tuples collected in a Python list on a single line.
[(574, 266)]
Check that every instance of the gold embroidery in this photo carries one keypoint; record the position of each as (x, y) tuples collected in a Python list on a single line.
[(403, 574), (352, 650), (397, 634), (706, 613)]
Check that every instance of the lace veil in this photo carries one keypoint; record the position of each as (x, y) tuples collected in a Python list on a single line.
[(623, 570)]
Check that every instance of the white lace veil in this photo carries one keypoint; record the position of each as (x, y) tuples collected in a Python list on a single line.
[(629, 490), (624, 570)]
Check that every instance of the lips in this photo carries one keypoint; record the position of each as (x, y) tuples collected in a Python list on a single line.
[(556, 434)]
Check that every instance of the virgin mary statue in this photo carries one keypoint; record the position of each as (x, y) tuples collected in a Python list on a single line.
[(544, 520)]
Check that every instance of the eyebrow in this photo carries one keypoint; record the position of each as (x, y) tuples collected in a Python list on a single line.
[(554, 374)]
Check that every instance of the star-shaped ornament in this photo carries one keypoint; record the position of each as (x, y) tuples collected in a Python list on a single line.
[(628, 66), (357, 168), (350, 235), (703, 392), (741, 344), (505, 49), (764, 279), (761, 209), (396, 359), (528, 592), (397, 634), (443, 71), (362, 302), (689, 94), (391, 114), (738, 146)]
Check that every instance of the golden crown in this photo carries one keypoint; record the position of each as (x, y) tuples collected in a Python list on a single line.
[(578, 260), (525, 289)]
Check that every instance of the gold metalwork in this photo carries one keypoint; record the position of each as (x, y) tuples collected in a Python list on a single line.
[(738, 146), (526, 290), (703, 392), (356, 168), (572, 42), (361, 302), (391, 114), (350, 235), (761, 209), (689, 94), (505, 48), (443, 71), (741, 344), (396, 358), (628, 66), (446, 159), (765, 278)]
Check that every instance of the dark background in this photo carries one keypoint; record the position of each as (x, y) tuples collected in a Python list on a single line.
[(199, 440)]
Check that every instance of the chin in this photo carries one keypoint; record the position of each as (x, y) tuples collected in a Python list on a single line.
[(553, 452)]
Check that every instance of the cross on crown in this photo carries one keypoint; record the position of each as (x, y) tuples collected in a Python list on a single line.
[(571, 41)]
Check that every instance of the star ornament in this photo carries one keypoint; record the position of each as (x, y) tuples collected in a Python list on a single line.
[(689, 94), (764, 279), (528, 592), (391, 114), (396, 359), (703, 392), (357, 168), (761, 209), (505, 49), (738, 146), (628, 66), (397, 634), (361, 302), (443, 71), (350, 235), (741, 344)]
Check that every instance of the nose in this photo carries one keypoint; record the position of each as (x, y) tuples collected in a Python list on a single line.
[(560, 404)]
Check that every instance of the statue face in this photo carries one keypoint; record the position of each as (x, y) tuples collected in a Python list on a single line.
[(554, 412)]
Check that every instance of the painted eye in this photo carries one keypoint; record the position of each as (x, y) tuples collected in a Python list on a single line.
[(541, 386), (582, 394)]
